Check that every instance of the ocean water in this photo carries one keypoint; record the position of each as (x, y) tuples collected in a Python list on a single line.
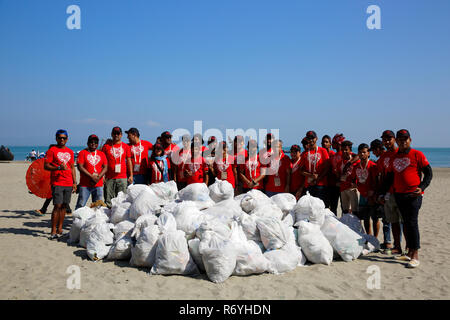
[(438, 157)]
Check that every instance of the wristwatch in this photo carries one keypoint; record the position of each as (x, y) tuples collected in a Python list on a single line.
[(59, 167)]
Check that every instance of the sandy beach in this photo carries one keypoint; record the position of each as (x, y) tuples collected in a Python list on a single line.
[(33, 267)]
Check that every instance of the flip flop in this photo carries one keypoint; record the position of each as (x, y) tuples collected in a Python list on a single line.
[(402, 258), (53, 237), (413, 264), (39, 212)]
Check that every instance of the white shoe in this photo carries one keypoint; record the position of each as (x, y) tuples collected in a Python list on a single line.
[(413, 263)]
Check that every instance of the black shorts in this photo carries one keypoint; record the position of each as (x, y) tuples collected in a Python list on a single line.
[(366, 212), (61, 195)]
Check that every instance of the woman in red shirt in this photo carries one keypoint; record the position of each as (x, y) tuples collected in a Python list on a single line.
[(297, 179), (179, 157), (224, 167), (195, 169), (250, 172), (159, 166)]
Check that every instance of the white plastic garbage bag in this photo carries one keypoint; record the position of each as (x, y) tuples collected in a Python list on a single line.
[(249, 257), (218, 255), (123, 228), (285, 201), (120, 212), (305, 205), (253, 199), (143, 254), (188, 218), (221, 190), (315, 246), (193, 245), (146, 203), (248, 223), (120, 198), (282, 260), (134, 190), (165, 190), (166, 223), (98, 240), (141, 223), (121, 249), (224, 211), (89, 226), (172, 255), (268, 210), (83, 213), (274, 233), (194, 192), (216, 226), (346, 242), (75, 229), (289, 219)]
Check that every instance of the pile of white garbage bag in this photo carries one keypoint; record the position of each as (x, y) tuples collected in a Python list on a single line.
[(208, 230)]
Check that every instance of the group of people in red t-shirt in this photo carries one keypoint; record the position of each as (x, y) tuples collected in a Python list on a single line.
[(390, 189)]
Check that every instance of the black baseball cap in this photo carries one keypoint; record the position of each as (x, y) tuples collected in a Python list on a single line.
[(376, 144), (363, 146), (92, 137), (295, 147), (166, 134), (133, 131), (311, 135), (116, 129), (388, 134), (403, 133)]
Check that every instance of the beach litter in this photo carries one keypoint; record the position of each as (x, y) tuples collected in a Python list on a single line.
[(207, 230)]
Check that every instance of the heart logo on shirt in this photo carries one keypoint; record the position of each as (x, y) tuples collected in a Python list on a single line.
[(194, 167), (401, 164), (137, 149), (314, 158), (93, 159), (64, 157), (362, 175), (117, 152)]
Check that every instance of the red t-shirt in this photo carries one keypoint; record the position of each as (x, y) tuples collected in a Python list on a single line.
[(277, 173), (407, 169), (365, 177), (198, 167), (156, 174), (251, 170), (117, 154), (139, 156), (178, 158), (349, 178), (223, 169), (314, 161), (241, 156), (297, 179), (264, 157), (58, 156), (383, 165), (93, 162), (171, 148)]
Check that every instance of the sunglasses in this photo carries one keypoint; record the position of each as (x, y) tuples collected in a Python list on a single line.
[(93, 141), (116, 133), (63, 138)]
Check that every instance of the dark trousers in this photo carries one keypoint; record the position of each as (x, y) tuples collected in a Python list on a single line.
[(320, 192), (409, 207), (334, 194)]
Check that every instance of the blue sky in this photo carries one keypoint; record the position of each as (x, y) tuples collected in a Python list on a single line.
[(161, 64)]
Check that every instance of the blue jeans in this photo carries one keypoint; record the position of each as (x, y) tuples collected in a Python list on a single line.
[(85, 192), (271, 193), (139, 179)]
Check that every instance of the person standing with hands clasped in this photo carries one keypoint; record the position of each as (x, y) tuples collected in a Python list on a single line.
[(92, 165), (119, 162), (404, 173), (60, 161)]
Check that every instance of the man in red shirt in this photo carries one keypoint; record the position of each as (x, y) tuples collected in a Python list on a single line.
[(118, 155), (391, 211), (166, 142), (60, 161), (365, 173), (376, 147), (405, 174), (179, 157), (139, 156), (195, 169), (92, 165), (224, 166), (349, 191), (315, 164), (278, 172), (297, 179)]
